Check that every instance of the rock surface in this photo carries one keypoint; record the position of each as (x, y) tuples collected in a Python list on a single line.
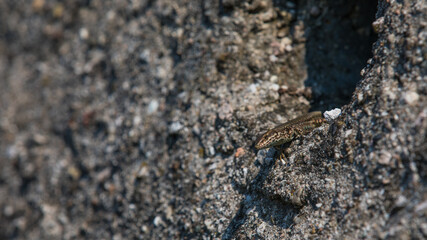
[(136, 119)]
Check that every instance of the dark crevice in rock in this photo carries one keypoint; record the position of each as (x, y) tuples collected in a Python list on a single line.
[(339, 42)]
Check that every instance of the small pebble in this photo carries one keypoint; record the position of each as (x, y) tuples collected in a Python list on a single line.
[(137, 120), (253, 88), (421, 207), (175, 127), (360, 97), (84, 33), (152, 106), (411, 97), (239, 152), (273, 58), (211, 150), (158, 221), (274, 87), (385, 158), (378, 25), (401, 201), (273, 78), (331, 115)]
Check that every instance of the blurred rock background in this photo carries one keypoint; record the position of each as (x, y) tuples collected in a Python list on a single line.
[(136, 119)]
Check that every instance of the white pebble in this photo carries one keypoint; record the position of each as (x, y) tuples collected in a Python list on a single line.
[(331, 115), (152, 106), (211, 150), (84, 33), (137, 120), (411, 98), (273, 58), (158, 221), (175, 127), (274, 87), (274, 78), (253, 88)]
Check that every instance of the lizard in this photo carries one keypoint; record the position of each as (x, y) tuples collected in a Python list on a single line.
[(288, 131)]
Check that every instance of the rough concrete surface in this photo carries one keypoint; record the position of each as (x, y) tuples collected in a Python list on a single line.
[(137, 119)]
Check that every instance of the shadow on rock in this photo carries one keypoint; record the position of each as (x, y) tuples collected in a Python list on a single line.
[(271, 210)]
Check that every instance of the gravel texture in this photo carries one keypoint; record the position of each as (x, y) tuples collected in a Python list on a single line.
[(137, 119)]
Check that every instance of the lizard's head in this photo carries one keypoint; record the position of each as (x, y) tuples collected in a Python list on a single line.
[(273, 138), (266, 140)]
